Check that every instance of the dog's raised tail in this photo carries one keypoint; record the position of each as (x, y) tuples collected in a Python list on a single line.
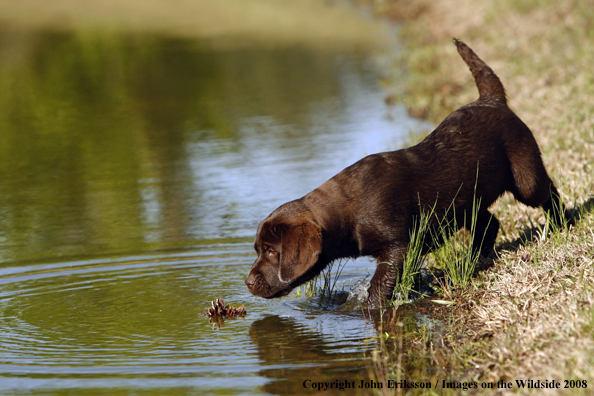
[(487, 82)]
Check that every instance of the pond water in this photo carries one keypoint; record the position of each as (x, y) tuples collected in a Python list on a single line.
[(134, 172)]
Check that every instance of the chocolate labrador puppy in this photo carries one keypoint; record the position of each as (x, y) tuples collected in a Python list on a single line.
[(368, 209)]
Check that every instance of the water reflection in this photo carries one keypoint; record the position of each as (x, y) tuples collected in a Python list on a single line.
[(133, 173), (293, 354), (116, 144), (135, 324)]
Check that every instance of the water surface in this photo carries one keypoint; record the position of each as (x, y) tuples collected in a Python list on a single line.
[(134, 172)]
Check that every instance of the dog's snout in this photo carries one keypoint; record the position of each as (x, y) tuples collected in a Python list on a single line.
[(250, 281)]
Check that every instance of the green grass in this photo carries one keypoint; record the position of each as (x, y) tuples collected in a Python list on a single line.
[(324, 285), (455, 256), (413, 258)]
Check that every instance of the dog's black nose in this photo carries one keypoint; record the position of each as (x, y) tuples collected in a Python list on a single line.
[(250, 281)]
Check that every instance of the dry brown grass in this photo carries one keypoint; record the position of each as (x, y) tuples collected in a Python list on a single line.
[(531, 316), (536, 308)]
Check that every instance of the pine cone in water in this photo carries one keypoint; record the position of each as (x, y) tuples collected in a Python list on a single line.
[(220, 310)]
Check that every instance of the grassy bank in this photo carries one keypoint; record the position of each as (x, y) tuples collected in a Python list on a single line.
[(530, 316)]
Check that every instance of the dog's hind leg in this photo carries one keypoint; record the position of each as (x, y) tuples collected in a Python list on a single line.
[(555, 209), (533, 186), (486, 229)]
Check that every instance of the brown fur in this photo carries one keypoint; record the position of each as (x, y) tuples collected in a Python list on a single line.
[(369, 207)]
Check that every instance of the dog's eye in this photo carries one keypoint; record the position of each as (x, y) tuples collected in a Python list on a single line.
[(267, 249)]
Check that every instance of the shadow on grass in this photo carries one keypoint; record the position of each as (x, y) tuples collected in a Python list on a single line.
[(533, 231)]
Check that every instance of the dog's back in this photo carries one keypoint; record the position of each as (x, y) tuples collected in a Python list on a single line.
[(531, 183), (479, 151)]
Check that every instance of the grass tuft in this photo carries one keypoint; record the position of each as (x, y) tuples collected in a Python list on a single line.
[(456, 255), (324, 285), (413, 258)]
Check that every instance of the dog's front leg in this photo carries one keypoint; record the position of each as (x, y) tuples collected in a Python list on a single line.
[(385, 277)]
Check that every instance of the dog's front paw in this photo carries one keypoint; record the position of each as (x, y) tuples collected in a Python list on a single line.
[(382, 285)]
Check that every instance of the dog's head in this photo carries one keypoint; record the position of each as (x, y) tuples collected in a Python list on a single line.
[(288, 243)]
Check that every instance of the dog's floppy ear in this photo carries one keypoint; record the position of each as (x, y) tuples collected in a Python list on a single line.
[(301, 245)]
